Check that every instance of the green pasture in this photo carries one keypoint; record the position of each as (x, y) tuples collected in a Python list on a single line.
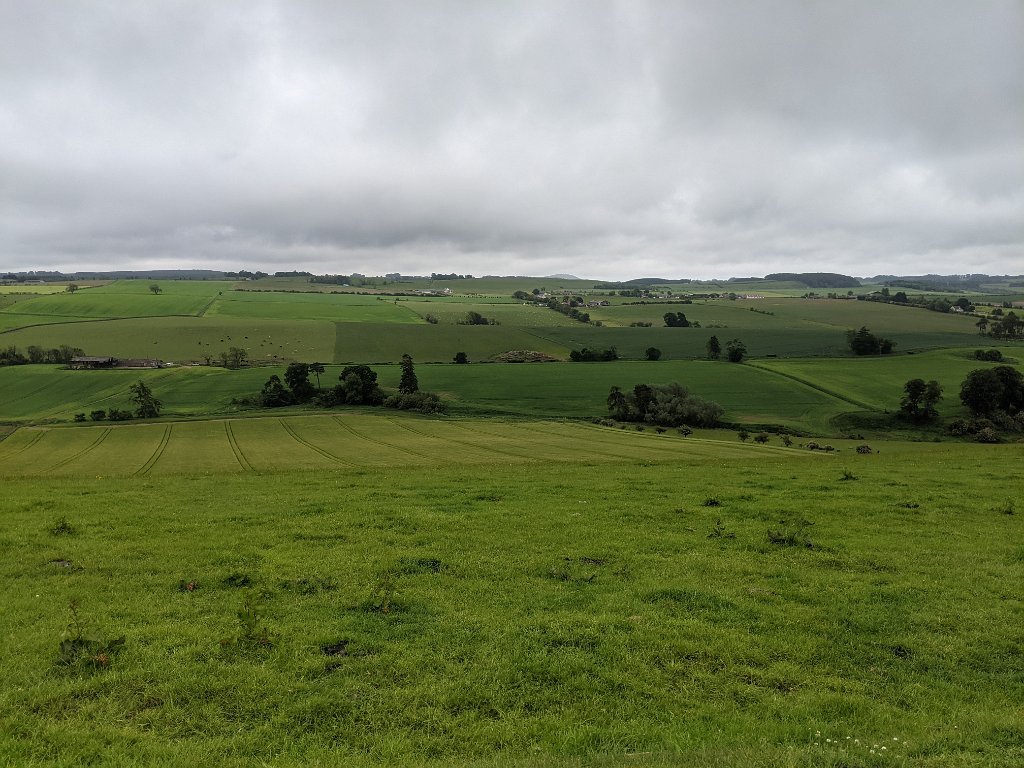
[(603, 603), (366, 342), (32, 290), (46, 392), (801, 394), (349, 308), (515, 314), (580, 389), (141, 287), (181, 339), (94, 304), (124, 298), (878, 381), (795, 313), (10, 321), (691, 343)]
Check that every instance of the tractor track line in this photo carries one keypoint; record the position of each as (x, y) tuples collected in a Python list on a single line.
[(316, 449), (152, 460), (81, 453), (659, 451), (380, 442), (467, 443), (233, 442), (32, 441)]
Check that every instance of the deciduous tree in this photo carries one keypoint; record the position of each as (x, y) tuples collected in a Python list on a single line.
[(147, 406), (735, 350), (920, 398), (714, 348)]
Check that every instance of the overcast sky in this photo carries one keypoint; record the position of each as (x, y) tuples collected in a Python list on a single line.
[(612, 140)]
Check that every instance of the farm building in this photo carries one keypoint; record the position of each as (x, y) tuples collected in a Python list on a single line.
[(88, 362)]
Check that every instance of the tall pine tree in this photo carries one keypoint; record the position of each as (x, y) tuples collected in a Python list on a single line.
[(409, 383)]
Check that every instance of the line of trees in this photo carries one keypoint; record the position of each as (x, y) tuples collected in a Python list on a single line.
[(35, 355), (1001, 326)]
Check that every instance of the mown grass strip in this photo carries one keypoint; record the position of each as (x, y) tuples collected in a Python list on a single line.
[(151, 462)]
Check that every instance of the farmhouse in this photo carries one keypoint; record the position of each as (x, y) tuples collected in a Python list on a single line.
[(89, 362)]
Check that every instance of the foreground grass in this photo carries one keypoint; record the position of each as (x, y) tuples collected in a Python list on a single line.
[(627, 613)]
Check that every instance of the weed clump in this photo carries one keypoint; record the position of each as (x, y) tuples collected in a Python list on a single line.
[(78, 649), (238, 580), (795, 534), (382, 596), (251, 634), (61, 527), (719, 532)]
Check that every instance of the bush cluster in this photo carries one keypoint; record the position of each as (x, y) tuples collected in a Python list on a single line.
[(666, 405)]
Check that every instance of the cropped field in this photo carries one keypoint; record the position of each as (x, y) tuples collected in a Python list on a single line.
[(95, 304), (581, 389), (801, 394), (794, 327), (340, 441), (550, 390), (348, 308), (179, 339), (517, 315), (32, 290), (525, 610), (366, 342), (878, 381)]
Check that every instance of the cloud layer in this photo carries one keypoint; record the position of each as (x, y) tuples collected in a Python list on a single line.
[(607, 139)]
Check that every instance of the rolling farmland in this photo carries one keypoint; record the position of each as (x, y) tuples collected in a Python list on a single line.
[(339, 442), (512, 583)]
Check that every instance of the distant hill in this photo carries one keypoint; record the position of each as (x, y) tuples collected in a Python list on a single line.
[(113, 274), (560, 277), (816, 279), (651, 281), (948, 283)]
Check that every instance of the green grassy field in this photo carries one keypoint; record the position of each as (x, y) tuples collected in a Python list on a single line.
[(182, 339), (96, 304), (192, 319), (804, 395), (878, 381), (339, 441), (436, 343), (598, 605), (509, 585), (349, 308)]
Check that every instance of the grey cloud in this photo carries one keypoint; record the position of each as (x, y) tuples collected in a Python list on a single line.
[(601, 138)]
